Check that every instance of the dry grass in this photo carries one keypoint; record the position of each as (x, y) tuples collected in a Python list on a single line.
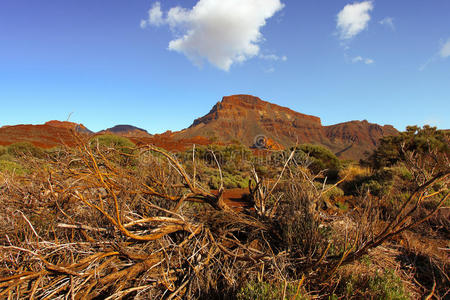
[(83, 226)]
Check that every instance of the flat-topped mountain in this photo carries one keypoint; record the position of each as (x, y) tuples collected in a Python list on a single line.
[(245, 118), (239, 118)]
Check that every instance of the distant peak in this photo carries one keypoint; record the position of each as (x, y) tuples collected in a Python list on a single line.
[(125, 128)]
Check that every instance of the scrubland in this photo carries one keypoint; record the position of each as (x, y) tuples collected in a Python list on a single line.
[(109, 220)]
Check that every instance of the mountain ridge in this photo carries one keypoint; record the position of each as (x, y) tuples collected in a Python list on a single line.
[(245, 118), (241, 118)]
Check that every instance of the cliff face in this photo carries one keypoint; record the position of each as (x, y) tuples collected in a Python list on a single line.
[(245, 118)]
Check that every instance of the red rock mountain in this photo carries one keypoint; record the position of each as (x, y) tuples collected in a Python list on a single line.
[(239, 118), (48, 135), (246, 118)]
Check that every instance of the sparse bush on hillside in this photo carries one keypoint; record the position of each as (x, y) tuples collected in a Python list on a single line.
[(25, 149), (11, 167), (382, 285), (114, 141), (424, 151), (119, 149), (317, 158), (264, 290), (3, 150), (323, 159)]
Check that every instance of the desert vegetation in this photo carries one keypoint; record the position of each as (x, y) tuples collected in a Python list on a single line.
[(107, 219)]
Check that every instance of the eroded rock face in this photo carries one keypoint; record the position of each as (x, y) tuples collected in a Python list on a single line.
[(244, 117)]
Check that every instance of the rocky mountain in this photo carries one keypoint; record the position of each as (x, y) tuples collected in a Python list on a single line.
[(236, 119), (127, 131), (69, 125), (248, 119), (48, 135)]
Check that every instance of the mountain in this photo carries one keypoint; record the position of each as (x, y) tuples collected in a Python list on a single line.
[(127, 131), (236, 119), (48, 135), (69, 125), (247, 119)]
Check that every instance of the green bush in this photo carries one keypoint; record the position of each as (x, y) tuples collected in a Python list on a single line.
[(230, 181), (383, 285), (265, 290), (124, 149), (318, 159), (11, 167), (379, 183), (334, 192), (388, 286), (3, 150), (119, 143), (402, 172), (421, 141), (25, 148)]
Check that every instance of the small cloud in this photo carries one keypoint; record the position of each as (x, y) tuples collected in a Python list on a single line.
[(389, 22), (353, 19), (273, 57), (357, 59), (155, 16), (443, 53), (445, 49), (367, 61), (222, 32), (269, 70)]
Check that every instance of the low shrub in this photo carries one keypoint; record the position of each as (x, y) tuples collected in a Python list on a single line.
[(388, 286), (3, 150), (382, 285), (25, 148), (230, 181), (11, 167), (123, 148), (265, 290), (378, 184)]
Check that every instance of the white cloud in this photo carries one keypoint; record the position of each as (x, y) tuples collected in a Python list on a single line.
[(367, 61), (445, 50), (389, 22), (353, 19), (357, 59), (222, 32), (155, 16), (443, 53), (273, 57)]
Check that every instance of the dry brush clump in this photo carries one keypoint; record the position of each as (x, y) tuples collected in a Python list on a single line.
[(85, 225)]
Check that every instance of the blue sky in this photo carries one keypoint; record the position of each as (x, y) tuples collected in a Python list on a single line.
[(109, 63)]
